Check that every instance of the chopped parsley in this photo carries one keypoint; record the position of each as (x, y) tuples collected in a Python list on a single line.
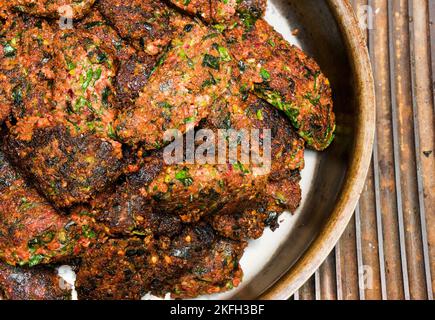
[(265, 75), (184, 177), (224, 54), (8, 50), (70, 65), (314, 100), (36, 259), (239, 166), (211, 62), (92, 24), (105, 96), (209, 82), (17, 96), (88, 232), (26, 204)]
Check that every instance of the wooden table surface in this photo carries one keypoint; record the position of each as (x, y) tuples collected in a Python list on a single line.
[(388, 249)]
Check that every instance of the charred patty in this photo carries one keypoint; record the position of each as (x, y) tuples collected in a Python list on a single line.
[(31, 230)]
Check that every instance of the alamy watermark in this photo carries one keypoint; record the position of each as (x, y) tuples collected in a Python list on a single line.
[(366, 16), (250, 148), (66, 16), (365, 276)]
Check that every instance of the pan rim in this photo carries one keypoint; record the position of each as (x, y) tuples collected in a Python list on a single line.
[(359, 164)]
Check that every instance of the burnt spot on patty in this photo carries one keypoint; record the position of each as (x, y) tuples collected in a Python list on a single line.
[(94, 26), (132, 76), (148, 24), (67, 168)]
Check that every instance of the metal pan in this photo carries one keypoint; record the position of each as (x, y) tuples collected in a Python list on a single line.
[(279, 263)]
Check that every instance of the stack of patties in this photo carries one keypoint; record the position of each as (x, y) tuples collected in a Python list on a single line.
[(84, 112)]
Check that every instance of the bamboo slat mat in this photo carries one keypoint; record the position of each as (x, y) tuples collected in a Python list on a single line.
[(388, 249)]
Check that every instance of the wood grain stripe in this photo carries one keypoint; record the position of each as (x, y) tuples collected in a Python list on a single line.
[(421, 78), (317, 285), (328, 283), (431, 6), (376, 182), (359, 255), (308, 290), (338, 278), (369, 242), (387, 188), (348, 261), (396, 151)]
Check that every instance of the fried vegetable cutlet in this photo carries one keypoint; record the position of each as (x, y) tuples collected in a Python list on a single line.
[(130, 268), (188, 79), (67, 169), (150, 25), (218, 270), (38, 283), (111, 270), (272, 68), (194, 191), (31, 230), (70, 152), (285, 77), (239, 109), (83, 90), (283, 194), (195, 261), (124, 212), (51, 8), (25, 72)]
